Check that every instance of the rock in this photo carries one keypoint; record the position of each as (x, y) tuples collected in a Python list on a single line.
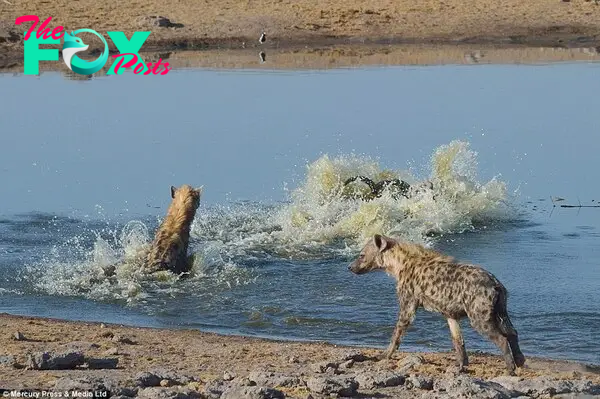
[(146, 379), (544, 386), (111, 352), (7, 361), (410, 362), (419, 382), (84, 383), (165, 383), (18, 336), (357, 356), (167, 393), (324, 367), (332, 385), (123, 340), (347, 364), (97, 364), (161, 22), (239, 392), (370, 380), (293, 359), (8, 34), (464, 386), (214, 389), (228, 376), (245, 382), (50, 361), (269, 379), (174, 377), (126, 392)]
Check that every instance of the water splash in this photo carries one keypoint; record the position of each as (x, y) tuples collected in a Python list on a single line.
[(323, 209), (322, 219)]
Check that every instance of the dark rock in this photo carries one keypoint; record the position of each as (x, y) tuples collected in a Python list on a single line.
[(18, 336), (169, 393), (123, 340), (238, 392), (7, 361), (465, 387), (126, 392), (324, 367), (270, 379), (162, 22), (214, 389), (370, 380), (357, 356), (332, 385), (347, 364), (544, 386), (146, 379), (106, 363), (419, 382), (174, 377), (50, 361), (9, 34), (84, 384)]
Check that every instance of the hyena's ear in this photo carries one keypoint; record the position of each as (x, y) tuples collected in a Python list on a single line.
[(173, 189), (382, 243)]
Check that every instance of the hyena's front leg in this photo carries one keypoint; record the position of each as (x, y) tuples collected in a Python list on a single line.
[(408, 308)]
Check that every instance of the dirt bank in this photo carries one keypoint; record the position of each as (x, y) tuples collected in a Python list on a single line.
[(235, 24), (143, 361)]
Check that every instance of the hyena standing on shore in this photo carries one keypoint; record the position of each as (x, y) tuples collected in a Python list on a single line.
[(439, 284), (170, 245)]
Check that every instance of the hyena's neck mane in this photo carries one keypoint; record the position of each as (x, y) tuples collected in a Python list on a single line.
[(180, 215), (403, 257)]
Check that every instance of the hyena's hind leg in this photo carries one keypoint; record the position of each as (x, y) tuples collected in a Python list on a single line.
[(486, 325), (462, 359), (508, 330)]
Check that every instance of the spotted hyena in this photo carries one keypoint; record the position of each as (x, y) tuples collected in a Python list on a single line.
[(169, 248), (439, 284)]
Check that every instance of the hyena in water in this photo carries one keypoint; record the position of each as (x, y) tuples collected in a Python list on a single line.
[(170, 245), (439, 284)]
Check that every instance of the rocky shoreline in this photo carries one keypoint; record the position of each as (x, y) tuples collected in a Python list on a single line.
[(61, 356), (237, 25)]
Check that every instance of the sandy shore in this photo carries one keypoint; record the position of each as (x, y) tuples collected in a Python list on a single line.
[(486, 25), (203, 364)]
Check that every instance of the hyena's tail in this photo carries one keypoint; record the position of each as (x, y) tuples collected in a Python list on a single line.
[(506, 327)]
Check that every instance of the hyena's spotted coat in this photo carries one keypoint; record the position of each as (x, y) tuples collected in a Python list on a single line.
[(439, 284), (170, 245)]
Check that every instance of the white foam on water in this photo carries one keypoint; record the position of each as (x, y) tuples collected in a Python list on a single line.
[(323, 218)]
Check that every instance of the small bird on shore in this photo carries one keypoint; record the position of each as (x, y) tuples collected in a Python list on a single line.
[(262, 56), (263, 38)]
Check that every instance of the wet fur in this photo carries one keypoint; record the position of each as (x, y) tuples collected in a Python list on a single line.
[(170, 246)]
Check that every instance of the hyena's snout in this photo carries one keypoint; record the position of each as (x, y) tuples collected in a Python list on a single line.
[(357, 267)]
